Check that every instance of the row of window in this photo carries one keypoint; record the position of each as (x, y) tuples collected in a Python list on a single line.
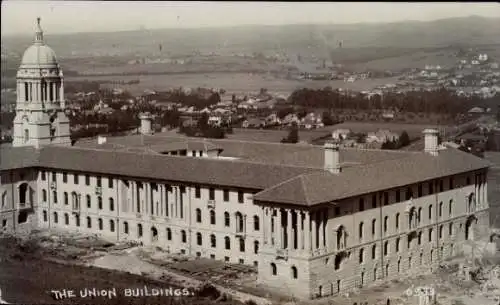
[(414, 218), (76, 179), (111, 201), (409, 194), (154, 232), (211, 191), (211, 194), (227, 219)]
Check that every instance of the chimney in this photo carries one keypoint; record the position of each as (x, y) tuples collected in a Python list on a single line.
[(146, 119), (332, 158), (431, 141)]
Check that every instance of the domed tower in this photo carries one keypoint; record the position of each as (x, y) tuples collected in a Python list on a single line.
[(40, 117)]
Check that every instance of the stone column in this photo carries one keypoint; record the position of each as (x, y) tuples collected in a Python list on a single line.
[(321, 233), (307, 231), (289, 229), (314, 230), (61, 94), (300, 230), (278, 232)]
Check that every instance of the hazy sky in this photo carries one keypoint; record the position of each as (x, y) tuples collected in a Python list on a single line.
[(18, 16)]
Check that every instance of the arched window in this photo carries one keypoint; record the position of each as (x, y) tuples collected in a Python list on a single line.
[(169, 234), (26, 135), (450, 228), (111, 204), (386, 248), (154, 234), (398, 241), (430, 234), (139, 230), (341, 238), (419, 217), (111, 225), (66, 219), (125, 227), (54, 197), (239, 222), (256, 247), (89, 202), (99, 202), (450, 207), (212, 217), (374, 251), (430, 212), (99, 221), (361, 230), (199, 239), (274, 271), (440, 231), (198, 215), (45, 217), (89, 222), (396, 221), (183, 236), (361, 255), (66, 199), (213, 241), (55, 217), (77, 220), (440, 211), (227, 242), (44, 195), (227, 219), (386, 223), (374, 223), (294, 272), (256, 223)]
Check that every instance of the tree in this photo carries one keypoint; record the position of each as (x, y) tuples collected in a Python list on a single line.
[(203, 122), (327, 119), (293, 135), (404, 139)]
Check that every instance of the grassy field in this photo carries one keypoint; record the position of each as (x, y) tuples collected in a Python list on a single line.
[(239, 83)]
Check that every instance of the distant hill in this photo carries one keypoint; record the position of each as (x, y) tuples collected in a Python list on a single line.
[(317, 39)]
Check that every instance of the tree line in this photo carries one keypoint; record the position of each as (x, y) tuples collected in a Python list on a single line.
[(437, 101)]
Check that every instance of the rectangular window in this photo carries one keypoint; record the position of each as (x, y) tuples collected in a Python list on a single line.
[(361, 204), (211, 194), (374, 201), (420, 190), (65, 177), (99, 182), (240, 196), (431, 188), (452, 184), (398, 195), (337, 211), (197, 192), (75, 178), (441, 186), (110, 182), (43, 176), (386, 198), (54, 176), (87, 180), (226, 195)]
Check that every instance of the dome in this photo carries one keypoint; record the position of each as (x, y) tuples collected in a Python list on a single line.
[(39, 55)]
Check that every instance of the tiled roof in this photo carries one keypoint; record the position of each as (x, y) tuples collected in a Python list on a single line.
[(321, 187), (283, 173), (18, 157), (169, 168)]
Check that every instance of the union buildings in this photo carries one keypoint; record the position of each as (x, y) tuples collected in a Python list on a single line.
[(314, 220)]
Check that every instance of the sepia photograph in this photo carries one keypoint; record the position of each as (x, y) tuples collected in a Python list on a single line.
[(250, 153)]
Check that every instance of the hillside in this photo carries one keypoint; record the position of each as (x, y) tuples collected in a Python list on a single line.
[(318, 39)]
